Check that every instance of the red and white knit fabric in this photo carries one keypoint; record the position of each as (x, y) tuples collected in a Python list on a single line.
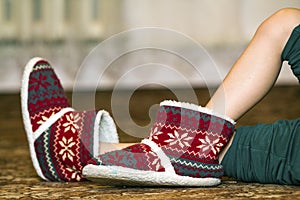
[(185, 139)]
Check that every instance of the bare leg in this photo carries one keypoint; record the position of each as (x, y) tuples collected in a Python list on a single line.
[(257, 69), (107, 147)]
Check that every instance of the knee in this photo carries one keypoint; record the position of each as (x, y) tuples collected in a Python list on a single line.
[(288, 18), (280, 25)]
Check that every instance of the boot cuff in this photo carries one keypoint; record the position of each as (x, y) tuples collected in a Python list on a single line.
[(196, 108)]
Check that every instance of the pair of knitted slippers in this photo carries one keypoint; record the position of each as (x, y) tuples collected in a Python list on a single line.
[(182, 149)]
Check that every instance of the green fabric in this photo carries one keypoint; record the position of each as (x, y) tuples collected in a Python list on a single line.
[(269, 153), (265, 153), (291, 52)]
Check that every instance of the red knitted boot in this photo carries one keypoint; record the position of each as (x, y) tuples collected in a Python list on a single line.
[(61, 140), (182, 150)]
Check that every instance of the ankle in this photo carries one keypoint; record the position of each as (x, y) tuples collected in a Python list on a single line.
[(224, 151)]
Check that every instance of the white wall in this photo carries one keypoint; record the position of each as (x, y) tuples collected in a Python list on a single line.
[(210, 22), (223, 27)]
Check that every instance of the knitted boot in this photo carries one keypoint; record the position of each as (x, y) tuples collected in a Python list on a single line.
[(182, 150), (61, 140)]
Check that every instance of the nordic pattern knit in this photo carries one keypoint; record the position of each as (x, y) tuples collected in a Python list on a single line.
[(190, 139)]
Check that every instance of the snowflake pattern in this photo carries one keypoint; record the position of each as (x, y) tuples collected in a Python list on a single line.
[(155, 162), (36, 83), (156, 133), (76, 175), (44, 119), (71, 122), (183, 140), (66, 151), (208, 144)]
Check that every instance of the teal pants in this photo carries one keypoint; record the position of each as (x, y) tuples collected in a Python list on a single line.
[(269, 153), (265, 153)]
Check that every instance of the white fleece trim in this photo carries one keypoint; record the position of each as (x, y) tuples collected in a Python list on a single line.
[(51, 120), (25, 114), (104, 130), (164, 159), (116, 175), (195, 108)]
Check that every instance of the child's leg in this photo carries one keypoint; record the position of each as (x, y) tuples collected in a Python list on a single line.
[(256, 71), (105, 147), (267, 153)]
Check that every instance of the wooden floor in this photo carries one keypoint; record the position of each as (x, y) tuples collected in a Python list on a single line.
[(18, 179)]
